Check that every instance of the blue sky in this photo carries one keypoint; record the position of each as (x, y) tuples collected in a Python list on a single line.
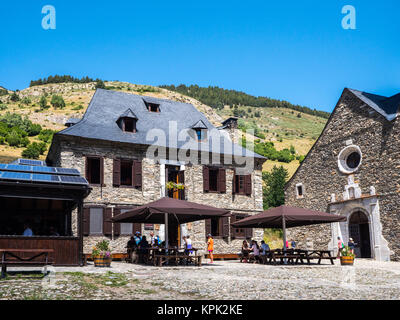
[(292, 50)]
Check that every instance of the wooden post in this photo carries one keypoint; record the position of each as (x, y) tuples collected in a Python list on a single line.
[(80, 232), (284, 238), (166, 232)]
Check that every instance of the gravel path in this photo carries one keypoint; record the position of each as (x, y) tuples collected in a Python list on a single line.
[(367, 279)]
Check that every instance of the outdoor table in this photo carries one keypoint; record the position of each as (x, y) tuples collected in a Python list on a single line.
[(175, 256), (17, 257), (320, 255)]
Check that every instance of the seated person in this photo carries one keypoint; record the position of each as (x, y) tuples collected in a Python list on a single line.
[(27, 230), (254, 250), (143, 244), (245, 251), (131, 247), (137, 237), (188, 245), (264, 248)]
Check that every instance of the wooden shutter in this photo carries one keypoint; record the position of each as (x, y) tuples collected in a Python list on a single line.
[(102, 172), (224, 221), (117, 225), (107, 223), (247, 184), (208, 226), (221, 180), (206, 179), (137, 173), (233, 229), (116, 172), (86, 221)]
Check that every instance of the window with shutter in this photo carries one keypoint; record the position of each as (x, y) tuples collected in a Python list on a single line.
[(127, 173), (225, 227), (94, 169), (96, 221), (117, 225), (208, 226)]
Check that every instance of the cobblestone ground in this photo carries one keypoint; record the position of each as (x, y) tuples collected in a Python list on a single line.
[(222, 280)]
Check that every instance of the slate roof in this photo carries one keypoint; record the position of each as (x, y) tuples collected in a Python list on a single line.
[(128, 114), (386, 106), (106, 106)]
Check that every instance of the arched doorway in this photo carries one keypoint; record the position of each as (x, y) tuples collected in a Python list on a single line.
[(359, 231)]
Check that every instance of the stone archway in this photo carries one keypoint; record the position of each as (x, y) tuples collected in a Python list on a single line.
[(359, 230)]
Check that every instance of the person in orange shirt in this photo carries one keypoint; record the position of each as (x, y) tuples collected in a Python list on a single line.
[(210, 247)]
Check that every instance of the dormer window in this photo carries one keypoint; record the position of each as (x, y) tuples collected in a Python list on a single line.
[(201, 129), (127, 121), (153, 107), (129, 125), (200, 134)]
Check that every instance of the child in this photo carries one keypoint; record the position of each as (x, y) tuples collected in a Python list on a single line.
[(210, 247)]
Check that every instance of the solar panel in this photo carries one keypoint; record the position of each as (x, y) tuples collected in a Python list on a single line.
[(73, 179), (45, 177), (16, 176), (44, 169), (67, 171), (31, 162), (39, 169)]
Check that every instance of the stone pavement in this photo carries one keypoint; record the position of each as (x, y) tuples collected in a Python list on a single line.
[(367, 279)]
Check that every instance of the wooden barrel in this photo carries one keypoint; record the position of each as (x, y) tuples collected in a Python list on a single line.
[(346, 261), (102, 262)]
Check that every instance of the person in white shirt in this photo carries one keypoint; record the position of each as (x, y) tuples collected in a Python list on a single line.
[(255, 250), (264, 247), (28, 231)]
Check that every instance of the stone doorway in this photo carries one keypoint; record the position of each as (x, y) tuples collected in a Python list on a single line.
[(359, 231)]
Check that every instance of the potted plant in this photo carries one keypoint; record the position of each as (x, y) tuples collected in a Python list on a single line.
[(175, 186), (346, 256), (101, 254)]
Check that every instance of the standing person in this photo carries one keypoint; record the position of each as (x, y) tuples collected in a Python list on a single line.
[(210, 247), (293, 244), (188, 245), (351, 245), (340, 246)]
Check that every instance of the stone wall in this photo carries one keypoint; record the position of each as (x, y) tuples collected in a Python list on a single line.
[(72, 155), (352, 122)]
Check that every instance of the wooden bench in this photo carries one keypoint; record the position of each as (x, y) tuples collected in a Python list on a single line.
[(223, 256), (17, 257), (160, 259)]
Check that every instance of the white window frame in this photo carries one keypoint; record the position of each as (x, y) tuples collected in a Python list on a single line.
[(128, 225), (342, 159)]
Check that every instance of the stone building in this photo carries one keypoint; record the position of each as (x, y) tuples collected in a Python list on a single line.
[(134, 150), (353, 170)]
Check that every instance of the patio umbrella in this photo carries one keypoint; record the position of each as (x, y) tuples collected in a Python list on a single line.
[(164, 209), (287, 217)]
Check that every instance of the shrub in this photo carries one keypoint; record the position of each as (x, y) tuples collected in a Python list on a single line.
[(3, 107), (3, 92), (57, 101), (43, 103), (46, 135), (100, 84), (14, 97), (13, 139), (34, 129), (26, 100), (31, 152), (79, 107)]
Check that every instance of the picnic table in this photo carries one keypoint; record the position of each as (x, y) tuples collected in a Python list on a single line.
[(23, 257), (177, 256), (294, 256)]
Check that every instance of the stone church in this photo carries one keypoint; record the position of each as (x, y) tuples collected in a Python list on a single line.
[(353, 170), (110, 147)]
